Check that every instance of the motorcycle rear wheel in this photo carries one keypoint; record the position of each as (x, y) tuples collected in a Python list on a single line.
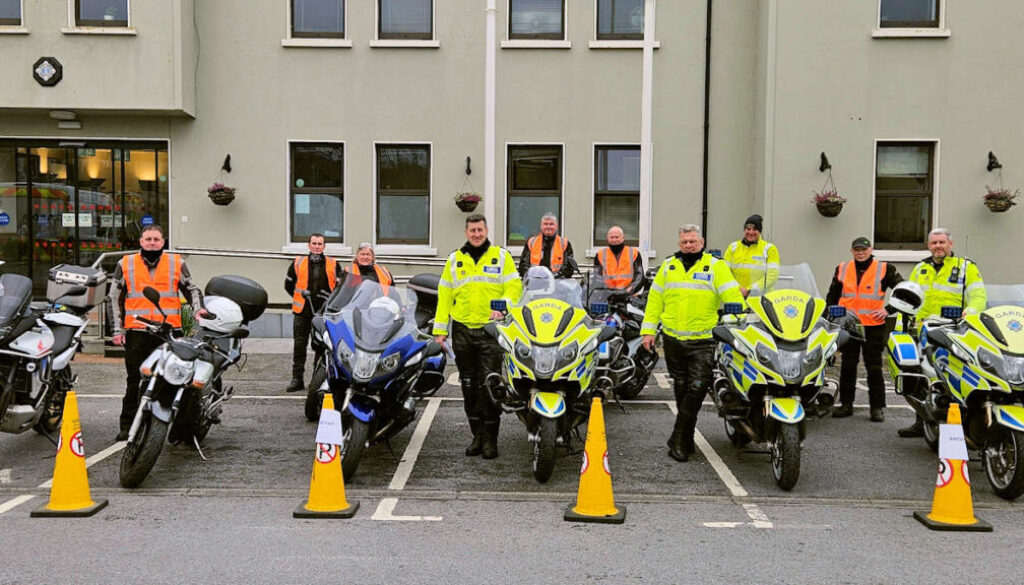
[(544, 449), (355, 438), (931, 435), (786, 456), (1004, 463), (314, 399), (140, 455)]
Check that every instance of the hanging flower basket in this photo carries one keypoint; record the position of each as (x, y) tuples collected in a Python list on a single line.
[(999, 199), (467, 200), (220, 194), (828, 202)]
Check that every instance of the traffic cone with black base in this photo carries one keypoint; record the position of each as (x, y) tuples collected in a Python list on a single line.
[(327, 485), (595, 501), (952, 508), (69, 494)]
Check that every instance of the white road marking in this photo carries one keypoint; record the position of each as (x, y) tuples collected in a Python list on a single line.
[(412, 451), (385, 513), (453, 380), (663, 380), (89, 462), (14, 503)]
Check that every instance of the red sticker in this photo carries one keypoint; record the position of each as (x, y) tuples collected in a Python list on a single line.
[(326, 453), (77, 445), (945, 473), (607, 469), (586, 463), (963, 470)]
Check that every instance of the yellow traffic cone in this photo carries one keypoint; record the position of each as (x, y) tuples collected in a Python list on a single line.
[(952, 508), (327, 486), (595, 501), (69, 492)]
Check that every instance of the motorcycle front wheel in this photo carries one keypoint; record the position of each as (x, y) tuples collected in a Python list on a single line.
[(633, 388), (544, 449), (1004, 463), (355, 437), (314, 399), (53, 411), (786, 456), (139, 456)]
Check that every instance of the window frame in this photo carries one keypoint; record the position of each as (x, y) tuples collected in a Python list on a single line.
[(292, 34), (381, 36), (290, 219), (377, 193), (933, 176), (939, 22), (598, 240), (562, 36), (20, 21), (509, 193), (78, 22), (611, 37)]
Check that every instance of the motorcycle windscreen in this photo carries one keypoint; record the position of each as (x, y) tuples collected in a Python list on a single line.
[(15, 295), (377, 317), (539, 283)]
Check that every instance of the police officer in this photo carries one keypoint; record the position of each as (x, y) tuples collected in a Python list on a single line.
[(685, 296), (619, 266), (317, 274), (860, 285), (165, 272), (548, 249), (947, 280), (473, 276), (753, 260)]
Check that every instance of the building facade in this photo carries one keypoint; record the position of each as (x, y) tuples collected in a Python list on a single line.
[(360, 118)]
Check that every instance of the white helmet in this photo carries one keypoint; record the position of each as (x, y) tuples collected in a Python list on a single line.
[(385, 304), (228, 315), (539, 281), (907, 298)]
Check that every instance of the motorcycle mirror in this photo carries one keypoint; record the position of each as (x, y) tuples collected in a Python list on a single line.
[(500, 305), (598, 308), (715, 252), (951, 312), (152, 295), (732, 308), (306, 294), (606, 334), (836, 311), (722, 334)]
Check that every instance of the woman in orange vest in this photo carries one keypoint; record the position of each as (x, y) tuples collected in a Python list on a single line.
[(318, 274), (619, 266), (860, 286), (364, 267)]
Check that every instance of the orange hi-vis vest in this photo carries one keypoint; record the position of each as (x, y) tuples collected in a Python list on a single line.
[(618, 273), (383, 276), (867, 296), (165, 280), (302, 279), (536, 246)]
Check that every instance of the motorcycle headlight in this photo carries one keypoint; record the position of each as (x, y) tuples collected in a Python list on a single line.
[(390, 362), (959, 352), (344, 351), (177, 371), (764, 354), (327, 338), (365, 364), (568, 353), (988, 360), (544, 359), (789, 364), (1014, 367), (522, 351), (813, 357), (415, 359)]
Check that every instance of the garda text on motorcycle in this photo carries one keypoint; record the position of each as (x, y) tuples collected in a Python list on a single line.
[(182, 392), (548, 372)]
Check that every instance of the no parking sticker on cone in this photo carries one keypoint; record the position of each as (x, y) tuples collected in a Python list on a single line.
[(326, 453)]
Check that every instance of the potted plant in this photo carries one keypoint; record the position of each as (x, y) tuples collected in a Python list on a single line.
[(467, 200), (999, 199), (220, 193), (829, 202)]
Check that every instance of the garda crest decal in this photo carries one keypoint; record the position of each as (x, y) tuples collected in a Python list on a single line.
[(791, 311), (1014, 325), (546, 317)]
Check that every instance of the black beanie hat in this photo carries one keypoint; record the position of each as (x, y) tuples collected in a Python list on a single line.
[(754, 220)]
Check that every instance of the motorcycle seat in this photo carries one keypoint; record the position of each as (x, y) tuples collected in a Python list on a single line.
[(208, 355), (63, 336)]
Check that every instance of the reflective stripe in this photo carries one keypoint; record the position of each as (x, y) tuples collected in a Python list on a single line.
[(147, 312), (441, 327), (690, 285), (678, 333), (957, 289), (774, 265), (728, 285), (648, 325), (975, 286), (750, 266), (657, 287), (479, 278)]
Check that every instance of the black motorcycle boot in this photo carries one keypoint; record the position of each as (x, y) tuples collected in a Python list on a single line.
[(296, 384), (676, 447), (914, 430), (476, 447), (490, 443)]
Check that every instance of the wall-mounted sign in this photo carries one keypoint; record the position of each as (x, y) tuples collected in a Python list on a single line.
[(5, 219), (48, 71), (146, 220)]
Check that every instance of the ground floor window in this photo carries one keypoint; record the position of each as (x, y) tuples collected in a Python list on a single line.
[(904, 190), (403, 194), (534, 188), (317, 191), (617, 192)]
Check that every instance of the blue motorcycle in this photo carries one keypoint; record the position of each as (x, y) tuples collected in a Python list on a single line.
[(378, 365)]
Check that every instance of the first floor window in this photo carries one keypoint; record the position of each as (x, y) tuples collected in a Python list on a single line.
[(904, 187), (909, 14), (113, 13), (317, 191), (620, 19), (534, 188), (617, 192), (318, 18), (405, 19), (10, 12), (536, 19), (403, 194)]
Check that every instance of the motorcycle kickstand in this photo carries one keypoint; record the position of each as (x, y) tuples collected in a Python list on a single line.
[(392, 451), (195, 442), (615, 399), (50, 437)]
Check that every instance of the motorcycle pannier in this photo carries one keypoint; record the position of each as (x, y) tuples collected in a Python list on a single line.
[(64, 276), (247, 293)]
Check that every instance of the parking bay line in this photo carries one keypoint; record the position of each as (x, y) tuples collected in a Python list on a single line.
[(385, 510), (89, 462)]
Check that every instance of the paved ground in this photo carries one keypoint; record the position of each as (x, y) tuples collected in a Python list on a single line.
[(717, 518)]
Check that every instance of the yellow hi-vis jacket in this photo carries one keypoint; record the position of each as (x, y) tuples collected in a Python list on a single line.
[(948, 287), (751, 265), (686, 301), (467, 288)]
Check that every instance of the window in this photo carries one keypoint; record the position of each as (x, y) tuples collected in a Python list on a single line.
[(909, 14), (534, 188), (403, 194), (317, 191), (405, 19), (904, 185), (318, 19), (10, 12), (617, 192), (536, 19), (620, 19), (109, 13)]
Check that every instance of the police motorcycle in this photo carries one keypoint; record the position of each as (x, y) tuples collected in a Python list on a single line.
[(549, 370), (182, 391), (976, 361), (379, 364), (770, 364), (38, 341)]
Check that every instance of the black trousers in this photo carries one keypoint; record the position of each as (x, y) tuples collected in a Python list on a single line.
[(302, 326), (137, 346), (476, 355), (690, 364), (872, 348)]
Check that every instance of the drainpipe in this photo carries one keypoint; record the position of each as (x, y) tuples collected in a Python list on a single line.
[(489, 114), (707, 120), (646, 145)]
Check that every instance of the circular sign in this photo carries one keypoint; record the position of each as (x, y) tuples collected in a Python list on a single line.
[(963, 470), (146, 220), (163, 178), (5, 219), (77, 445), (945, 473), (586, 463), (607, 469), (326, 453), (300, 183), (47, 71)]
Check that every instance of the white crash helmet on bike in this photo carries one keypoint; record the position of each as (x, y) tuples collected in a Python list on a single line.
[(384, 305), (907, 298), (539, 281), (228, 315)]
